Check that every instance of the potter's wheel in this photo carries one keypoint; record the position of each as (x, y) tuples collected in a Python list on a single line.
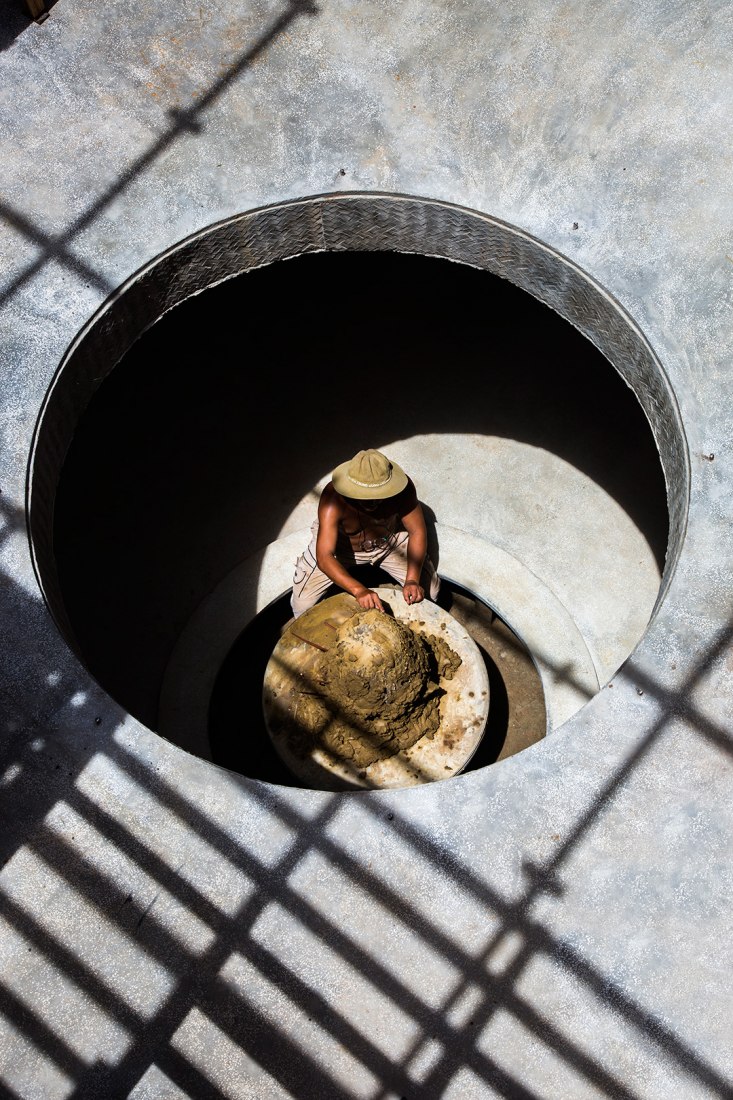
[(289, 679)]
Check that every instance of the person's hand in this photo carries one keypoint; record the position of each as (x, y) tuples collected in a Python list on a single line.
[(413, 592), (369, 600)]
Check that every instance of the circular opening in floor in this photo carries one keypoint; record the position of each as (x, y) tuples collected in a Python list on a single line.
[(193, 469)]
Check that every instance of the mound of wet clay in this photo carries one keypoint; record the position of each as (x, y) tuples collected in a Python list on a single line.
[(378, 668), (376, 690)]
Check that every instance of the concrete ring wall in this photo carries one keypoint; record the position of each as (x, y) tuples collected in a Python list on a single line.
[(333, 223)]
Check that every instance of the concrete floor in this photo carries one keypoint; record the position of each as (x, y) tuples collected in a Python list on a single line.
[(554, 925)]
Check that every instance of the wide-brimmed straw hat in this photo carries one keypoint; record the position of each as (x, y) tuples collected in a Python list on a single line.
[(369, 475)]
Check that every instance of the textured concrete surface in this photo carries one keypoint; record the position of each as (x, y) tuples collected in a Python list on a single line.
[(517, 595), (555, 925)]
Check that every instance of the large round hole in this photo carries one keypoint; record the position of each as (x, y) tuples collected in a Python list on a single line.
[(212, 431)]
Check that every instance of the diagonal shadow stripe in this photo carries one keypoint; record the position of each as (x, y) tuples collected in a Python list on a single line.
[(186, 121), (52, 248), (165, 949), (513, 914)]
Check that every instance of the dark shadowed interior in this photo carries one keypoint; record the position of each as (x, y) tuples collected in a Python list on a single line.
[(223, 415)]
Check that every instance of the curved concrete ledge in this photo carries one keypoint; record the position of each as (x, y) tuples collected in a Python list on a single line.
[(519, 597), (533, 611)]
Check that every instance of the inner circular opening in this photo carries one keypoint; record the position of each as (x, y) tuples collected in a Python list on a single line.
[(210, 439)]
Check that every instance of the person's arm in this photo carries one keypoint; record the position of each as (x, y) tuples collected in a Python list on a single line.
[(417, 547), (329, 514)]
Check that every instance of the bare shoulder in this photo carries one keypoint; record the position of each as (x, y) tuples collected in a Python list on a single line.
[(331, 503)]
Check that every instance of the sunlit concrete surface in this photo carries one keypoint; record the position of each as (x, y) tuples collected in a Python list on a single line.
[(556, 925)]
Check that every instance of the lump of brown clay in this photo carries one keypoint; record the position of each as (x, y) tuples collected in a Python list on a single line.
[(377, 690), (377, 669)]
